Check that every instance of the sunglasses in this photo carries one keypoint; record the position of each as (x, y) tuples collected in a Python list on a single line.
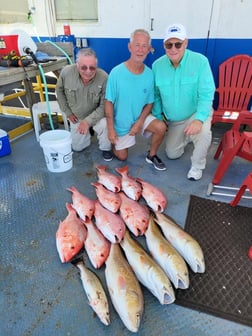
[(177, 45), (85, 68)]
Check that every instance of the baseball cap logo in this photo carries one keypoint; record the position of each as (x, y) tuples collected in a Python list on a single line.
[(175, 31)]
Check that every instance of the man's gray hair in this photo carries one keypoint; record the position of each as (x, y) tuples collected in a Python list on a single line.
[(140, 31), (85, 52)]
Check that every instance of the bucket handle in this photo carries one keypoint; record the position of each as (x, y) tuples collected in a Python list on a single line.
[(67, 157)]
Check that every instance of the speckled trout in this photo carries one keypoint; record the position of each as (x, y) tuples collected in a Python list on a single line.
[(95, 293), (183, 242), (124, 289), (166, 256), (148, 272)]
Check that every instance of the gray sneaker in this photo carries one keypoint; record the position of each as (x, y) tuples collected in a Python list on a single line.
[(194, 174), (156, 161), (107, 155)]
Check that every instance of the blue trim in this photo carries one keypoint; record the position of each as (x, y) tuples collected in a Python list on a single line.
[(112, 51)]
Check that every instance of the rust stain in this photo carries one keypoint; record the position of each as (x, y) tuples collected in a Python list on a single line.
[(50, 213), (31, 182)]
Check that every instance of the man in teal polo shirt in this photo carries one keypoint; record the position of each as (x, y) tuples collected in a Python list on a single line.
[(184, 92)]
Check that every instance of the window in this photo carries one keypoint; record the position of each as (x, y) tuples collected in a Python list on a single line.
[(14, 11), (76, 10)]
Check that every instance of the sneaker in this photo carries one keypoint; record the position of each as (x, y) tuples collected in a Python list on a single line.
[(194, 174), (155, 160), (107, 155)]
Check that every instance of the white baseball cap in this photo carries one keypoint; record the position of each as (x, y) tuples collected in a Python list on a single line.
[(175, 30)]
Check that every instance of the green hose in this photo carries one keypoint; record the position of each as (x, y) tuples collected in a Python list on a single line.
[(45, 83), (60, 49), (30, 18), (47, 96)]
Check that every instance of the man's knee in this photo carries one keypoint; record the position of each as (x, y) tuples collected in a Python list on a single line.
[(157, 127), (101, 126), (121, 155), (174, 154)]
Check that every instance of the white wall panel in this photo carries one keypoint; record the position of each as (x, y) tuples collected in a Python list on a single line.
[(194, 15), (232, 19), (118, 18)]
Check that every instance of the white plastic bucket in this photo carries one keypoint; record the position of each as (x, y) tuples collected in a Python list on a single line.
[(57, 150)]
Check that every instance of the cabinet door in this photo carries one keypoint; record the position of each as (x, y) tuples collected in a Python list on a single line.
[(194, 15)]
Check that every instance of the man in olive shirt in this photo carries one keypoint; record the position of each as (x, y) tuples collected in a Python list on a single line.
[(80, 93), (184, 92)]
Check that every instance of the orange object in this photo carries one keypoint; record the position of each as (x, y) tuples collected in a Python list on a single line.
[(234, 88), (67, 29)]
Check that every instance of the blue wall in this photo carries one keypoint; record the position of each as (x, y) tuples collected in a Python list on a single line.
[(112, 51)]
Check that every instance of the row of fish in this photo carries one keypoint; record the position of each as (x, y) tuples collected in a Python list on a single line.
[(112, 240)]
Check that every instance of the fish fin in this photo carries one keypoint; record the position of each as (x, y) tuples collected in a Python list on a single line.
[(138, 179), (96, 184), (71, 189)]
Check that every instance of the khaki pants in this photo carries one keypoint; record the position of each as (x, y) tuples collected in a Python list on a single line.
[(81, 141), (176, 141)]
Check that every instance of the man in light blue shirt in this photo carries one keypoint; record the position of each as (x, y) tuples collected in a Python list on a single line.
[(184, 92), (128, 102)]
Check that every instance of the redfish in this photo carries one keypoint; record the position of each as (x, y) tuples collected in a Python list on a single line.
[(109, 180), (82, 204), (70, 236), (129, 184), (183, 242), (124, 289), (148, 272), (110, 224), (153, 196), (166, 256)]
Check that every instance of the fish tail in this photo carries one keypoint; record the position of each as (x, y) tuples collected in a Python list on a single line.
[(123, 170), (101, 167)]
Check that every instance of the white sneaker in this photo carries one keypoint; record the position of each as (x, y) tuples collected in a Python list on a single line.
[(194, 174)]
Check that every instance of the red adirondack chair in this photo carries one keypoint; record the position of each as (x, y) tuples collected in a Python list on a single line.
[(234, 88), (234, 143), (246, 184)]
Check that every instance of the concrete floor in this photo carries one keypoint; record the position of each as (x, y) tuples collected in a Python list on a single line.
[(41, 296)]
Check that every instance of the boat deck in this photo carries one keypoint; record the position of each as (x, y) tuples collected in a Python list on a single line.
[(42, 296)]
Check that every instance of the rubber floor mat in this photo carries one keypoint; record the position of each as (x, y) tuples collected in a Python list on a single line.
[(225, 235)]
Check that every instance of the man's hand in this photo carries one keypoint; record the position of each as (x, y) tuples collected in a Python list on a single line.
[(83, 127), (112, 136), (136, 128), (73, 118), (193, 128)]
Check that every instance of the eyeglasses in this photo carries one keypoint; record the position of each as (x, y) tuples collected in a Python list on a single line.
[(177, 45), (85, 68)]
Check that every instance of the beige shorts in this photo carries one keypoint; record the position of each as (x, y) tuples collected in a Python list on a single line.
[(127, 140)]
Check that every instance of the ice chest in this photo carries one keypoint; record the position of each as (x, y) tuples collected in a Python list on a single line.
[(4, 143)]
